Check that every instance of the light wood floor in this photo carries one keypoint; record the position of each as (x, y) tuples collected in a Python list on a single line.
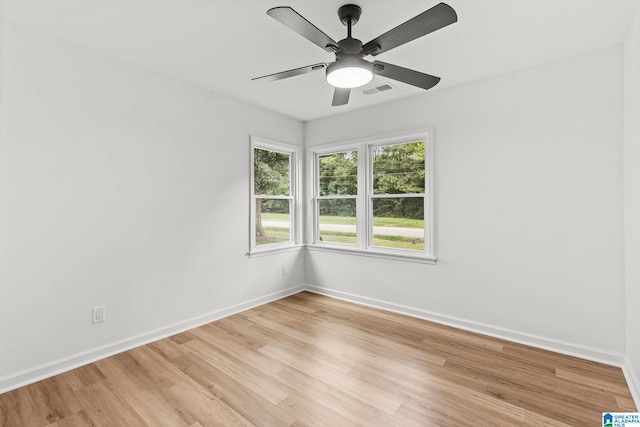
[(313, 360)]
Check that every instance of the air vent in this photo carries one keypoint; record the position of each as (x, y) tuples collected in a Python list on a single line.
[(377, 89)]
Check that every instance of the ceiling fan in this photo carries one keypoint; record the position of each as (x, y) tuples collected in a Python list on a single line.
[(350, 69)]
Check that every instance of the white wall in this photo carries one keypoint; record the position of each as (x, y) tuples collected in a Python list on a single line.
[(528, 203), (632, 199), (124, 188)]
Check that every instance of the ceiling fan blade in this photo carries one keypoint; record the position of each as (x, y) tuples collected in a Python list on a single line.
[(405, 75), (431, 20), (340, 96), (295, 21), (290, 73)]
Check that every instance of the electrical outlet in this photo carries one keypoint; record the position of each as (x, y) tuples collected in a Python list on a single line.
[(98, 314), (284, 270)]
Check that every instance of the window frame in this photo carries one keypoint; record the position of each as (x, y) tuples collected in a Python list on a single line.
[(365, 196), (294, 242)]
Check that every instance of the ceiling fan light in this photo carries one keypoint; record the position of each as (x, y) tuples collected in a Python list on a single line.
[(349, 73)]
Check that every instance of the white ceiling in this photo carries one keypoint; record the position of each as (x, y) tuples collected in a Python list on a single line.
[(222, 44)]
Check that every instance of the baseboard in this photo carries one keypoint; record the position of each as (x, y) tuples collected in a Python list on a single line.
[(632, 381), (46, 370), (571, 349)]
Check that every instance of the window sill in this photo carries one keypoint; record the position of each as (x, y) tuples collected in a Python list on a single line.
[(265, 251), (374, 253)]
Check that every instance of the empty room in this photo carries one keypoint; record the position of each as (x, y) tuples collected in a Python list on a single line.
[(415, 213)]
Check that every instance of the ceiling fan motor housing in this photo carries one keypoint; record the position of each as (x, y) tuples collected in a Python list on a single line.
[(349, 46)]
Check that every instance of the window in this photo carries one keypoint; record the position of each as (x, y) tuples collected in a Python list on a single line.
[(273, 196), (397, 198), (376, 197), (337, 196)]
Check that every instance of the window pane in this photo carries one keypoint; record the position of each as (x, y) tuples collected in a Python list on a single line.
[(338, 174), (337, 221), (271, 173), (399, 168), (398, 222), (273, 221)]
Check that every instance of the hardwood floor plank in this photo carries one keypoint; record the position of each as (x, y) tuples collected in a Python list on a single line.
[(236, 395), (312, 360), (242, 345), (377, 397), (167, 347), (131, 385), (311, 412), (83, 376), (267, 387), (17, 409), (354, 410), (78, 419), (55, 398), (106, 407), (183, 337), (606, 383), (625, 404), (301, 332), (200, 406)]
